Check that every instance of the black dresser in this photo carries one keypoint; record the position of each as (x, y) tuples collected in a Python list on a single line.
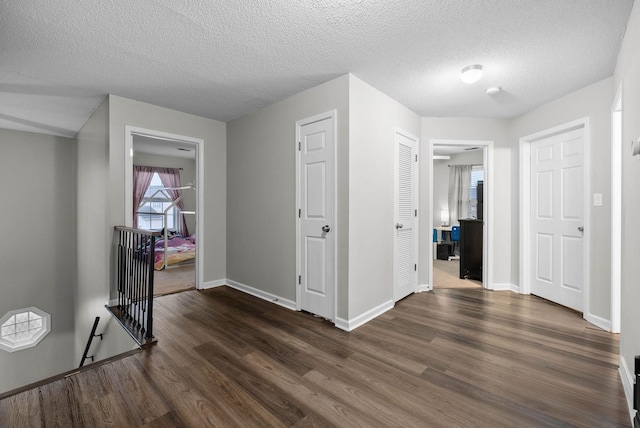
[(471, 249)]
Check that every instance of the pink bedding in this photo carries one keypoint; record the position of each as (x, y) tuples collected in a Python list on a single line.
[(179, 249)]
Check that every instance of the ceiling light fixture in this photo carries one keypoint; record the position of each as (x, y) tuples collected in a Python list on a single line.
[(471, 73), (493, 90)]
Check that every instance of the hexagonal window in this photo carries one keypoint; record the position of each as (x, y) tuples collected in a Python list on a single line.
[(23, 328)]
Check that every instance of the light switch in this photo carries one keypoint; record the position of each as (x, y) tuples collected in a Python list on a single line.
[(597, 199)]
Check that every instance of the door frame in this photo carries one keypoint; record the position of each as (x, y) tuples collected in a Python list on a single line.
[(332, 114), (616, 208), (130, 131), (487, 208), (416, 200), (525, 204)]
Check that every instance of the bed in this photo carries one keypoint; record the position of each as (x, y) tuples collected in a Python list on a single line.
[(179, 249)]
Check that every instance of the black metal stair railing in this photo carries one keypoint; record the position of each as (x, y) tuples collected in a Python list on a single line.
[(134, 260), (89, 341)]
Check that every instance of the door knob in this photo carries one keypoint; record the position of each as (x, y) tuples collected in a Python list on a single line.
[(326, 229), (398, 226), (581, 229)]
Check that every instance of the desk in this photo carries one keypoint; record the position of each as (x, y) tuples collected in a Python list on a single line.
[(440, 229), (445, 229)]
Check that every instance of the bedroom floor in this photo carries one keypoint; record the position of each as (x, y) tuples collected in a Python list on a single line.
[(446, 274), (174, 280)]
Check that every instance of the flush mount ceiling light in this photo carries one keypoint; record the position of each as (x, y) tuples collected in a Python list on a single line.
[(471, 73), (493, 90)]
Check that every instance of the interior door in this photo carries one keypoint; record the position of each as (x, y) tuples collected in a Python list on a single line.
[(557, 220), (316, 163), (405, 275)]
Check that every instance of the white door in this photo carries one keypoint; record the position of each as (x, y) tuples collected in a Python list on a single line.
[(316, 280), (557, 214), (405, 275)]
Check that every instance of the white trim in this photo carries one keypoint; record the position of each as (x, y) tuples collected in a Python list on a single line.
[(352, 324), (333, 115), (487, 228), (200, 183), (525, 204), (213, 284), (501, 287), (627, 385), (424, 287), (280, 301), (603, 323), (616, 211)]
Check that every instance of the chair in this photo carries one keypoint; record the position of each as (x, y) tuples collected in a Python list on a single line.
[(455, 238)]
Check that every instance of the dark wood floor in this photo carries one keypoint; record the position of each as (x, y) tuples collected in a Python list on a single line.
[(451, 358)]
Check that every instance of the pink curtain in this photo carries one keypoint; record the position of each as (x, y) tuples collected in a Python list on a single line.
[(170, 177), (142, 176)]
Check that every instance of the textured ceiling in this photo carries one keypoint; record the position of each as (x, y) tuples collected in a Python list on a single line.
[(223, 59)]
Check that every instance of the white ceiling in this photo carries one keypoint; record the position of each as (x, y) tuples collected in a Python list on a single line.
[(224, 59), (163, 147)]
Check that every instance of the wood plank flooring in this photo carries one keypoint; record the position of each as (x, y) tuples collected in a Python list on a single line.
[(450, 358)]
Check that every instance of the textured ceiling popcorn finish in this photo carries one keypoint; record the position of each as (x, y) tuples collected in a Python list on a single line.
[(224, 59)]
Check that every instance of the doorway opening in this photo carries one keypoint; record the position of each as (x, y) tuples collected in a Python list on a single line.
[(554, 210), (460, 214), (163, 172)]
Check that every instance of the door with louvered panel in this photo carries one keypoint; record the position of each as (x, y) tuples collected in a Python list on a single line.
[(405, 275)]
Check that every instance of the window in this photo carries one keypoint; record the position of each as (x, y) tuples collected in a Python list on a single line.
[(23, 328), (477, 174), (154, 202)]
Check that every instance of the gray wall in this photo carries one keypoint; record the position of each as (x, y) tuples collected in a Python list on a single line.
[(373, 119), (628, 72), (473, 129), (123, 112), (593, 102), (261, 208), (37, 257), (187, 175), (95, 235)]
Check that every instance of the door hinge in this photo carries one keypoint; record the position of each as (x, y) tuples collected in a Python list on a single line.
[(299, 279), (299, 145), (415, 267), (416, 158), (416, 213), (299, 212)]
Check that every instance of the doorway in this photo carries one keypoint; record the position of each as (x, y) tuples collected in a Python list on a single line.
[(460, 217), (168, 172), (316, 225), (554, 242)]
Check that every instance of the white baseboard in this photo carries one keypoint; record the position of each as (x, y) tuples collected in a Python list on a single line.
[(500, 287), (286, 303), (515, 288), (598, 321), (627, 384), (424, 287), (352, 324), (213, 284)]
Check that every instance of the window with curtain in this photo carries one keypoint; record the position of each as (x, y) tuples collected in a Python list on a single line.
[(151, 210), (477, 174), (149, 204)]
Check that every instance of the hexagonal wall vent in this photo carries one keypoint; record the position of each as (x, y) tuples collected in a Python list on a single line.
[(23, 328)]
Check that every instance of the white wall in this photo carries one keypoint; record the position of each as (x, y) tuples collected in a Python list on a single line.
[(593, 102), (473, 129), (441, 179), (628, 72), (261, 208), (373, 119), (37, 258), (124, 112), (187, 175)]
